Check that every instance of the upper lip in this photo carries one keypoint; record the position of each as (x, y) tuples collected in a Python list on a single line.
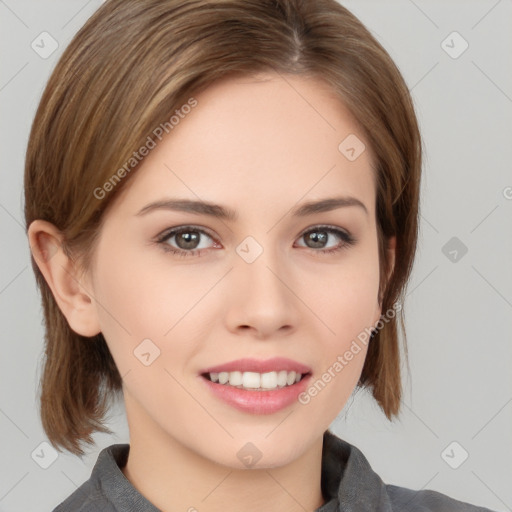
[(259, 366)]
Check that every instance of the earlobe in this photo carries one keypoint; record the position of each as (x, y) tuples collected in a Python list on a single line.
[(73, 298)]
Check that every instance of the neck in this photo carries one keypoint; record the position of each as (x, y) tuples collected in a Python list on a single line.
[(174, 477)]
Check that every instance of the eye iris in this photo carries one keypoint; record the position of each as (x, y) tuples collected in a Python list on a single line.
[(319, 238), (190, 238)]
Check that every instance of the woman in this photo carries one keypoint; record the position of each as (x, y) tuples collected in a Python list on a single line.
[(222, 206)]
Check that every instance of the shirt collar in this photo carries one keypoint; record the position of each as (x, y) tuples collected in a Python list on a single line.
[(116, 487), (348, 482)]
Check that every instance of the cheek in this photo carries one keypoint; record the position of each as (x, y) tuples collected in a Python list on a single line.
[(346, 311), (142, 293), (345, 302), (141, 298), (344, 296), (350, 307)]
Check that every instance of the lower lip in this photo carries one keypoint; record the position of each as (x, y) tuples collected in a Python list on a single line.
[(258, 402)]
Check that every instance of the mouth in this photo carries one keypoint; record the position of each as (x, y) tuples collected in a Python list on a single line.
[(255, 374), (257, 386), (255, 381), (255, 393)]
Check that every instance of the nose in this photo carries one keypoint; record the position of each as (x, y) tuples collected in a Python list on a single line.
[(262, 299)]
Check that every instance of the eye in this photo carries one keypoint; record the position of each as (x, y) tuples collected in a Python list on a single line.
[(187, 239), (318, 237)]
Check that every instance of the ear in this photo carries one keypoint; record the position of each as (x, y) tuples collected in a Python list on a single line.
[(72, 295), (391, 250)]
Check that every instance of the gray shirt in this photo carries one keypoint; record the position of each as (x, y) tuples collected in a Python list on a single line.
[(348, 485)]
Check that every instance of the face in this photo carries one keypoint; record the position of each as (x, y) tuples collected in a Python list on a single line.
[(269, 283)]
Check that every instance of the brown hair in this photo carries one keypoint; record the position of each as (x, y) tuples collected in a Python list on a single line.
[(125, 72)]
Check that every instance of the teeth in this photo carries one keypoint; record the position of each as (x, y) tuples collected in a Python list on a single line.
[(235, 378), (253, 380)]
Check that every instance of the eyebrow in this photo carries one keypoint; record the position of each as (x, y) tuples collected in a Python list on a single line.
[(224, 213)]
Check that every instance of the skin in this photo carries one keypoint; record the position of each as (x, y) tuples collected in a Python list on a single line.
[(256, 146)]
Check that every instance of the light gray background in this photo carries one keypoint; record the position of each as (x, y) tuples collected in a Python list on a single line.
[(458, 312)]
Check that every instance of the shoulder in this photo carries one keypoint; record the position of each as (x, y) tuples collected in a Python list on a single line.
[(87, 498), (402, 499), (97, 492), (349, 482)]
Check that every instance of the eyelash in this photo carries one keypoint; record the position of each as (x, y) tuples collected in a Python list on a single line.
[(348, 240)]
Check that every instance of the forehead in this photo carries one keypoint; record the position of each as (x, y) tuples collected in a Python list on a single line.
[(254, 141)]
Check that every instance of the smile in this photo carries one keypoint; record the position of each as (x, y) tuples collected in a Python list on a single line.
[(255, 381)]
